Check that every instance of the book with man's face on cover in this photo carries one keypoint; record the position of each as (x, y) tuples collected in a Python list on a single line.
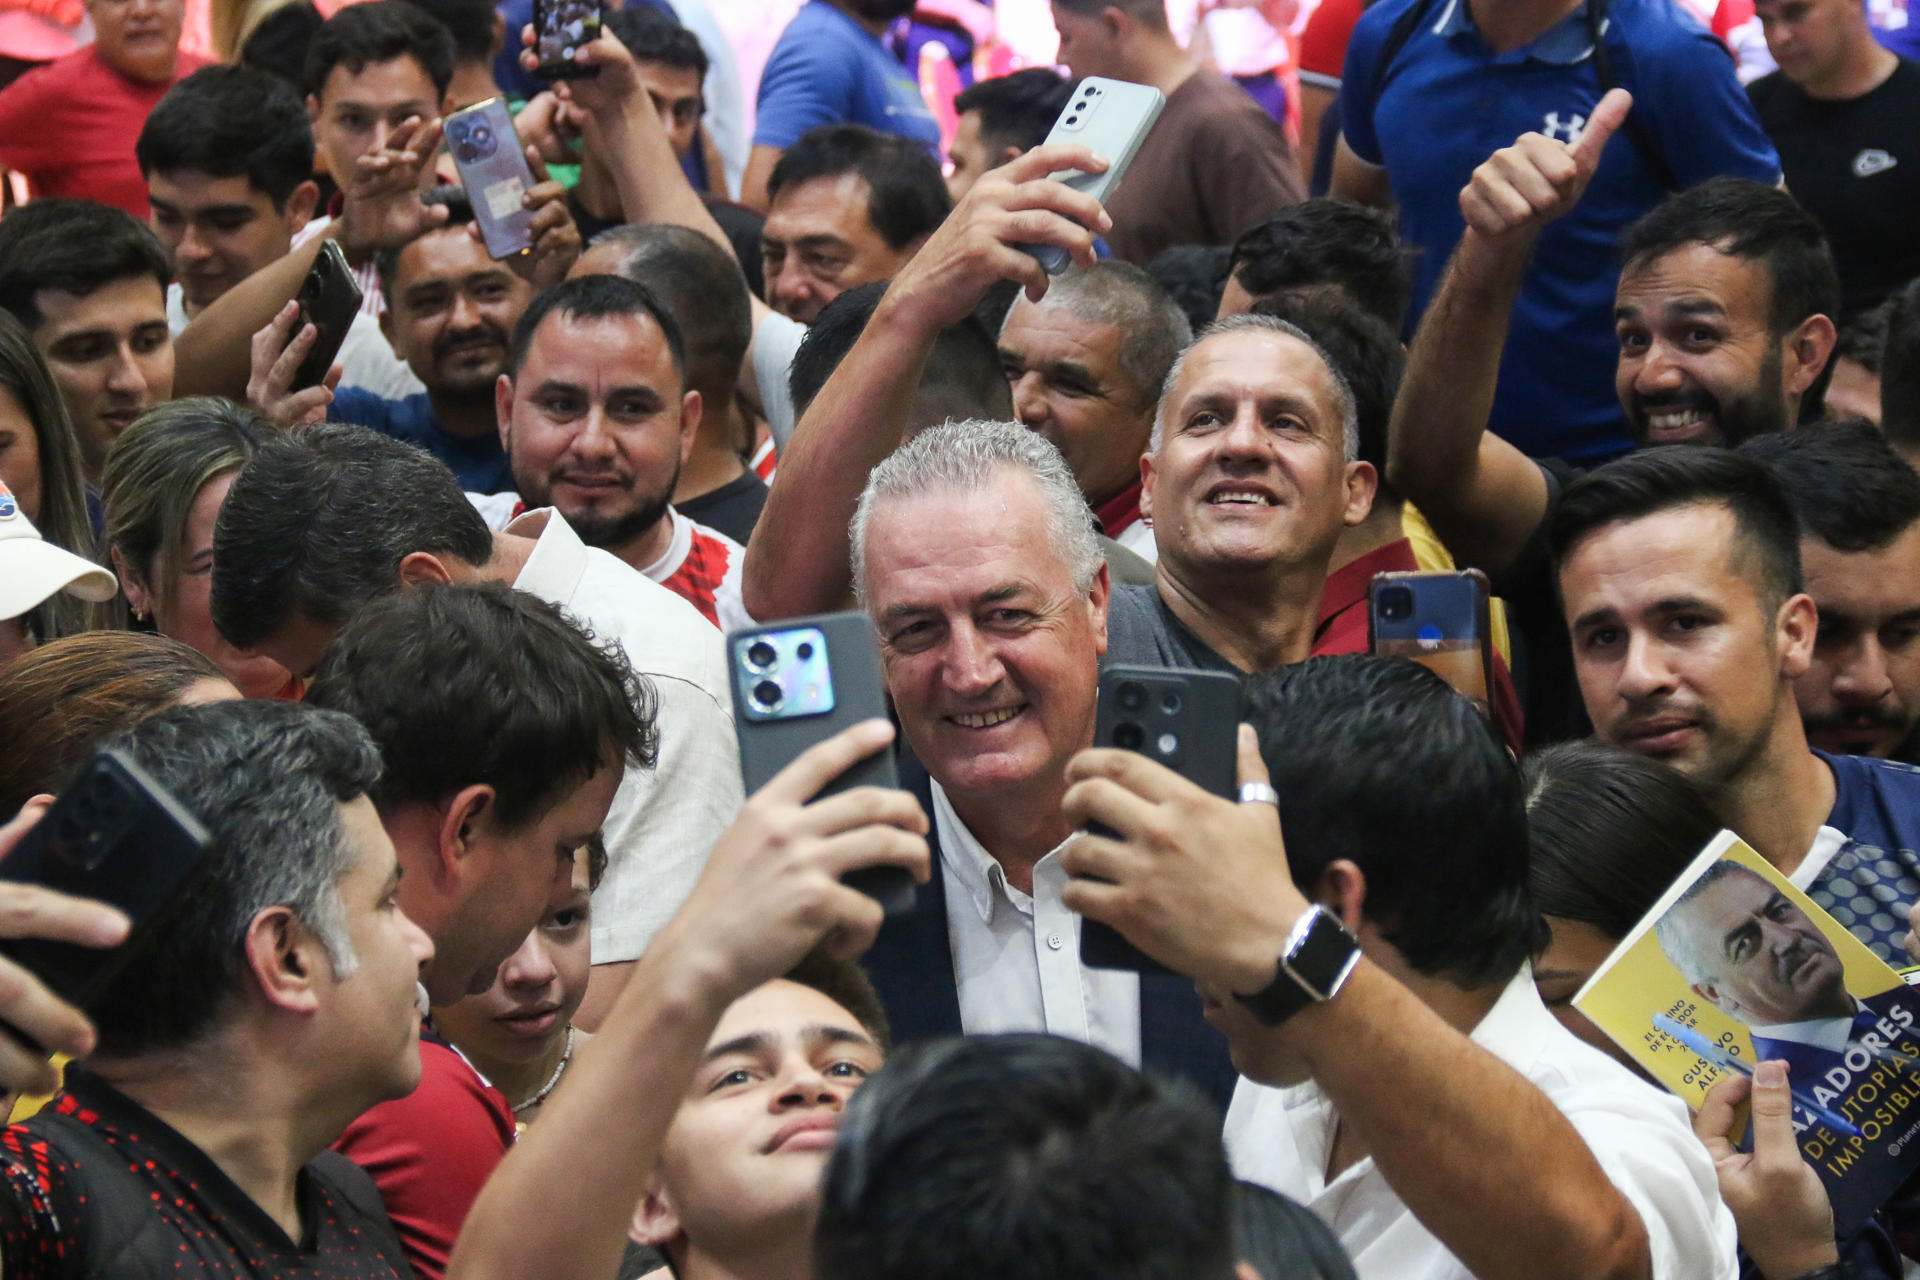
[(1734, 966)]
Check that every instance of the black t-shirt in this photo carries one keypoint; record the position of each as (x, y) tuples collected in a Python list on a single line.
[(1855, 165), (733, 508), (1142, 632), (97, 1186), (1542, 653)]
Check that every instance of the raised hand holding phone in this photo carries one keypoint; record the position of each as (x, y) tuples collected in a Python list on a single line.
[(1110, 118)]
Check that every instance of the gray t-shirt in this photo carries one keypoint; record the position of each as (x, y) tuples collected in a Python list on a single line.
[(1142, 632)]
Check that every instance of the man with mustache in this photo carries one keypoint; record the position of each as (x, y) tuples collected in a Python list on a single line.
[(1859, 508), (1723, 316), (1681, 575), (450, 311)]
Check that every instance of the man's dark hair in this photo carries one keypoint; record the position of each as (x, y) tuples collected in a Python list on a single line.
[(1016, 110), (470, 23), (653, 36), (1862, 338), (477, 683), (1324, 242), (906, 195), (266, 779), (1609, 832), (1754, 222), (1382, 764), (1281, 1237), (1899, 368), (75, 246), (1364, 351), (1022, 1156), (363, 35), (1194, 276), (450, 196), (228, 122), (1650, 481), (278, 43), (316, 525), (700, 286), (1849, 487), (846, 984), (597, 298), (962, 379)]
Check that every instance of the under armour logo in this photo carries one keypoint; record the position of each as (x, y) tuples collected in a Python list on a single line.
[(1567, 131), (1871, 161)]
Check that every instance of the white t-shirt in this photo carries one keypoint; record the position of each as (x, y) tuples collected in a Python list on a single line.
[(1641, 1136), (775, 341), (665, 819)]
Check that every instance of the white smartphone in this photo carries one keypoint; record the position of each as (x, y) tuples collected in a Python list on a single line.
[(1110, 118)]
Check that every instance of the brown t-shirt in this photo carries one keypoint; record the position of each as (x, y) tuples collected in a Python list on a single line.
[(1215, 165)]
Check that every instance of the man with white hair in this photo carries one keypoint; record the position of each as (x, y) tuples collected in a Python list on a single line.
[(1251, 474), (973, 555)]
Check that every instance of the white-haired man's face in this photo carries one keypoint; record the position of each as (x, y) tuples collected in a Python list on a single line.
[(1760, 958)]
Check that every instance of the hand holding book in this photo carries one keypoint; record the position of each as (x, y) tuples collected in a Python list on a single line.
[(1777, 1200)]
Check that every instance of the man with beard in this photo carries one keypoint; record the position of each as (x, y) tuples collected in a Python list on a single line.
[(1859, 508), (596, 418), (830, 67), (1723, 318), (450, 309), (1681, 576)]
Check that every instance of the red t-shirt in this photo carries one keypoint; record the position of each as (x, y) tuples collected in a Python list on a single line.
[(1323, 41), (70, 127), (431, 1152)]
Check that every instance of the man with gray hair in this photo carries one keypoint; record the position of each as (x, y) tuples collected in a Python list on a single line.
[(973, 556), (1086, 363), (1252, 473), (268, 1007)]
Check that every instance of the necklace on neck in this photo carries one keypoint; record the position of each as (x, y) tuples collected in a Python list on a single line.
[(566, 1056)]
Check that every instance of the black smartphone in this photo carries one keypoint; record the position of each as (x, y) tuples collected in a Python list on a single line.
[(1185, 720), (1440, 620), (798, 683), (560, 27), (329, 298), (115, 836)]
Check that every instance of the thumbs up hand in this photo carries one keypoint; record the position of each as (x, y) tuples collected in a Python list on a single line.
[(1523, 187)]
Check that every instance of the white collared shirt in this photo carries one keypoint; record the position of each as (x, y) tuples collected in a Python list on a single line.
[(1281, 1138), (665, 819), (1016, 956)]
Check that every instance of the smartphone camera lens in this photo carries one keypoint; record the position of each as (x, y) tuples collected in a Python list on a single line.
[(803, 651), (767, 695), (1128, 736), (1131, 697), (1396, 604), (762, 656), (1170, 703)]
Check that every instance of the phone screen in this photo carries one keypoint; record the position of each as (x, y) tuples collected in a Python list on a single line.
[(562, 27)]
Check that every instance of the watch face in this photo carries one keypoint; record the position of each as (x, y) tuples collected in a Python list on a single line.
[(1324, 956)]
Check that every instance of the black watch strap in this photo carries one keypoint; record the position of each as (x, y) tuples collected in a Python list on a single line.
[(1320, 955)]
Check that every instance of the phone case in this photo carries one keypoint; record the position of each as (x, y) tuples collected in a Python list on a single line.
[(329, 299), (1186, 720), (1440, 620), (117, 837), (561, 27), (799, 682), (1111, 118), (493, 168)]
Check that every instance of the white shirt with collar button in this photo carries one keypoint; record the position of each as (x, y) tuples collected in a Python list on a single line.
[(1016, 956)]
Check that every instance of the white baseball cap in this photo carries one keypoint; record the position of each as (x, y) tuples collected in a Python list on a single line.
[(31, 568)]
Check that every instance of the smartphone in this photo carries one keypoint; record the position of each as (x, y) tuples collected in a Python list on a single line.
[(798, 683), (560, 28), (1185, 720), (1111, 118), (1440, 620), (115, 836), (493, 168), (329, 299)]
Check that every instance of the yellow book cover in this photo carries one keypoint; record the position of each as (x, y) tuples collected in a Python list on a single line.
[(1735, 966)]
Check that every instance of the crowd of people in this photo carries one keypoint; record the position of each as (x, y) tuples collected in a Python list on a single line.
[(492, 967)]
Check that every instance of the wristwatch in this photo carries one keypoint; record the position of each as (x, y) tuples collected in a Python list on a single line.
[(1319, 957)]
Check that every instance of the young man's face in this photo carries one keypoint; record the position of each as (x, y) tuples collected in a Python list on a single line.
[(111, 356), (819, 242), (138, 38), (1087, 44), (1861, 693), (374, 1022), (972, 155), (677, 96), (356, 110), (1811, 39), (219, 231), (453, 312), (741, 1167), (1678, 655)]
